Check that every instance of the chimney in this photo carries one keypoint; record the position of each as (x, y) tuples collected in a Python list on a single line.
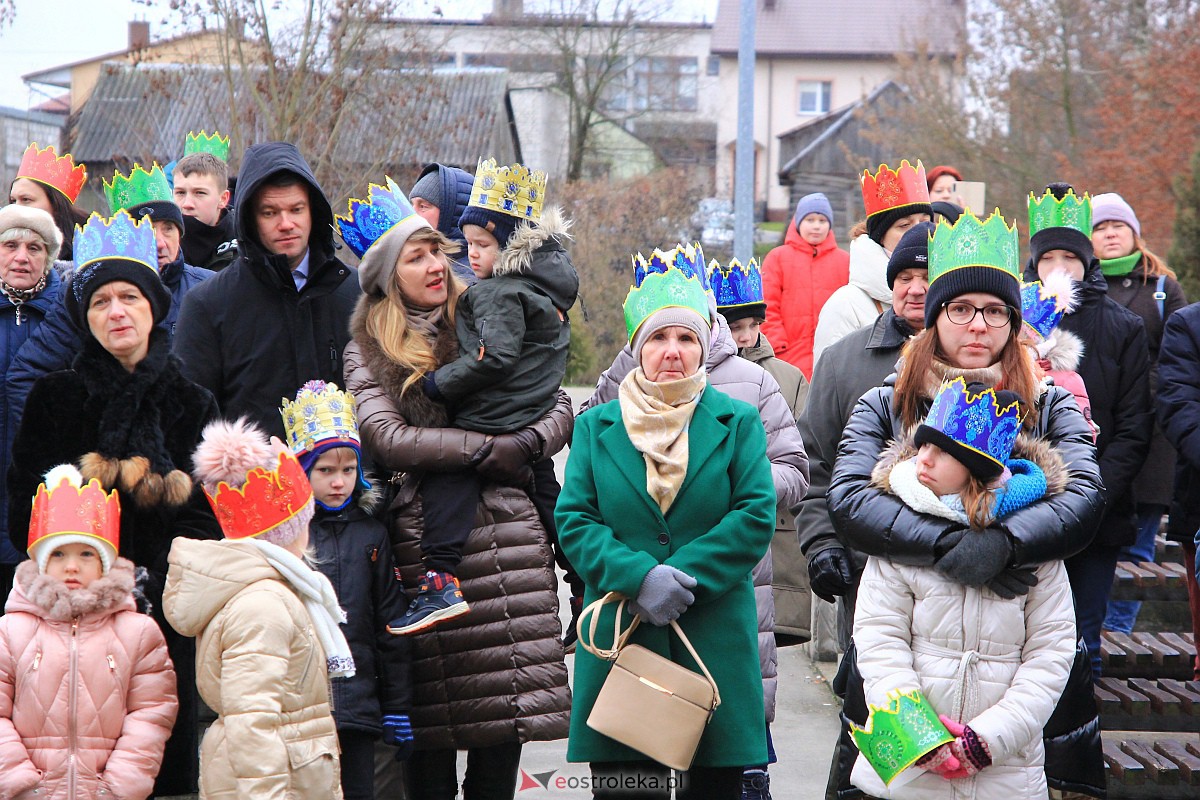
[(508, 9), (139, 34)]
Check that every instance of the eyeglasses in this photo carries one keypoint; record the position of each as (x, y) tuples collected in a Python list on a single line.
[(996, 316)]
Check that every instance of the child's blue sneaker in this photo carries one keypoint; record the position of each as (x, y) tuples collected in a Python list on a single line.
[(438, 599)]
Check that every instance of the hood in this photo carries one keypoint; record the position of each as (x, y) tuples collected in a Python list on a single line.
[(552, 273), (49, 598), (1064, 350), (720, 344), (868, 268), (204, 575), (260, 162), (758, 352), (456, 193), (792, 239)]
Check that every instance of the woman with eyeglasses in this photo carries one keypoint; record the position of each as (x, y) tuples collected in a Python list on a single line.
[(972, 321)]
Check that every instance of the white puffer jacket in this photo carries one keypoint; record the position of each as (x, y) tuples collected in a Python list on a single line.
[(860, 301), (997, 665)]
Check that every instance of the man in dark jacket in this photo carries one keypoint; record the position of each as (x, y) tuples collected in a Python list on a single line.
[(279, 315), (440, 195)]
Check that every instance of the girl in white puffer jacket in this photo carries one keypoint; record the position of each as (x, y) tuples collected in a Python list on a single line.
[(992, 667)]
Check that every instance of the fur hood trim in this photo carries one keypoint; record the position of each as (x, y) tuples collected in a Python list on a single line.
[(1063, 351), (527, 238), (54, 601), (1039, 451)]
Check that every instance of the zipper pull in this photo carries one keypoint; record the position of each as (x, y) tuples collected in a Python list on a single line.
[(112, 663)]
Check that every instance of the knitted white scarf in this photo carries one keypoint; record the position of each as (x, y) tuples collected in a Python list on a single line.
[(316, 592)]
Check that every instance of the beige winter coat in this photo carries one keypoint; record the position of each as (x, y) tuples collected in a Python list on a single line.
[(260, 666)]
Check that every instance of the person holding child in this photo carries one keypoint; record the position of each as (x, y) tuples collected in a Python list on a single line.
[(992, 667), (87, 692), (509, 683), (972, 325), (351, 549)]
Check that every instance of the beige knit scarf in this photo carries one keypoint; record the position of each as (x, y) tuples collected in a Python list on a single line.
[(657, 417)]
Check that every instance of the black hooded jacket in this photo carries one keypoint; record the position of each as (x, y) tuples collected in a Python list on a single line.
[(1116, 371), (210, 246), (247, 335)]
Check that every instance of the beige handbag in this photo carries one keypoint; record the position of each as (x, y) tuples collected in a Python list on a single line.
[(648, 702)]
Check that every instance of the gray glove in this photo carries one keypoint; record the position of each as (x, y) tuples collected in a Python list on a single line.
[(977, 558), (664, 595), (1013, 581)]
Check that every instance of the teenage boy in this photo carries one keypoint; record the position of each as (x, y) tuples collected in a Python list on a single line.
[(202, 193)]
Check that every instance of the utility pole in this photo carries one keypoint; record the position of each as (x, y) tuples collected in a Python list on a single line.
[(743, 180)]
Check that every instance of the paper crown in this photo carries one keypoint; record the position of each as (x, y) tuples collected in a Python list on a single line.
[(202, 142), (267, 500), (65, 507), (666, 280), (116, 237), (1043, 303), (368, 220), (735, 285), (900, 733), (139, 187), (976, 421), (321, 414), (972, 243), (516, 190), (1072, 212), (47, 167), (890, 188)]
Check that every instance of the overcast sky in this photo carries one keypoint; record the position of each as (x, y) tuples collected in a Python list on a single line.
[(47, 33)]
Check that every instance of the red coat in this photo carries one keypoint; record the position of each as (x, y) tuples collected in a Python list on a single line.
[(797, 280)]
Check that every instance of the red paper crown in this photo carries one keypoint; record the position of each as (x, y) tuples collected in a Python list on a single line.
[(79, 510), (889, 188), (60, 172), (267, 500)]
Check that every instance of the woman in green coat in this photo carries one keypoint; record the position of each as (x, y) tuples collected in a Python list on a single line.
[(668, 500)]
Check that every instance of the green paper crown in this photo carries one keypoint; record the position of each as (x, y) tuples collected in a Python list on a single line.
[(140, 187), (900, 733), (971, 243), (1072, 212), (666, 289), (216, 144)]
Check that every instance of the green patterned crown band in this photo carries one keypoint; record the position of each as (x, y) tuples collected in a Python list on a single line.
[(140, 187), (1072, 212), (202, 142), (973, 243), (899, 734), (670, 288)]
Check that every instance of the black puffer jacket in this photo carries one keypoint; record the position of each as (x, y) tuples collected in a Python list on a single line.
[(247, 335), (1179, 415), (1116, 371), (354, 552)]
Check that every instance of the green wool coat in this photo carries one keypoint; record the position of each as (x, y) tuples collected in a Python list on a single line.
[(718, 528)]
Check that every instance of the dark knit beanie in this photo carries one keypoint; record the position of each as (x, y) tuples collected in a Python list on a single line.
[(159, 210), (878, 224), (429, 186), (497, 223), (733, 313), (964, 280), (979, 465), (86, 281), (911, 253), (947, 211)]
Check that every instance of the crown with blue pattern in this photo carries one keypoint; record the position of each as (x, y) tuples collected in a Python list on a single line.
[(666, 280), (118, 237), (370, 220), (734, 284), (973, 425), (1043, 304)]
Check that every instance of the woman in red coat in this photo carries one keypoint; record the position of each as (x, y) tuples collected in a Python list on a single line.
[(798, 277)]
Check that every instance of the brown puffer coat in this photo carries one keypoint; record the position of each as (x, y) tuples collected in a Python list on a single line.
[(496, 675)]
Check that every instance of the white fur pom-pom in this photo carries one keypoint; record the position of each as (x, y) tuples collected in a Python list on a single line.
[(229, 450), (1061, 287), (63, 471)]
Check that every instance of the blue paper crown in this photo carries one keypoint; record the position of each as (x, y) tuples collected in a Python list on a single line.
[(735, 285), (975, 421), (385, 208), (1044, 303), (687, 258), (115, 237)]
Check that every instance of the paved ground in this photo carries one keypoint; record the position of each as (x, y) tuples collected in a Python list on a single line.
[(804, 731)]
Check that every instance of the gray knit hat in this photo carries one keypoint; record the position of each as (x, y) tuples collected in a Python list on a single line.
[(665, 318), (36, 220), (379, 262)]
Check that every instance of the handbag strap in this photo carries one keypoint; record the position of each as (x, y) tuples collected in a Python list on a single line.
[(620, 638)]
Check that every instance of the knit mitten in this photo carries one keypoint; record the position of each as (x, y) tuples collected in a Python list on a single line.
[(968, 749), (977, 558), (664, 595)]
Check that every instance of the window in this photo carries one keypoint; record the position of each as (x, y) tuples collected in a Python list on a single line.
[(665, 83), (714, 65), (813, 97)]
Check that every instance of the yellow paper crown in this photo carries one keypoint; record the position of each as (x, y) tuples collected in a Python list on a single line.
[(320, 414), (516, 190)]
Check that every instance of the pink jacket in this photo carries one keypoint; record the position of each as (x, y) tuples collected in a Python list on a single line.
[(87, 691)]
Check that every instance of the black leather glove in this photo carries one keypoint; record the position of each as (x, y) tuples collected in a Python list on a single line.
[(509, 459), (978, 557), (830, 574), (1012, 582)]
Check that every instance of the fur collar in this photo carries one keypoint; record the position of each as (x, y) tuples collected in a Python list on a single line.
[(414, 405), (111, 593), (526, 239), (1063, 351)]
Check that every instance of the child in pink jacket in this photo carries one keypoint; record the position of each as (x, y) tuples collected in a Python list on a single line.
[(87, 691)]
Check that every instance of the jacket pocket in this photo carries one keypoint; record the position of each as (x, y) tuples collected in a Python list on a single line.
[(314, 767)]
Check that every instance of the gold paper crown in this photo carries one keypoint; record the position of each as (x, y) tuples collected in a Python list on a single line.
[(320, 414), (516, 190)]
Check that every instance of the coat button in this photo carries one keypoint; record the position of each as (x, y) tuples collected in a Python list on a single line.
[(663, 539)]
